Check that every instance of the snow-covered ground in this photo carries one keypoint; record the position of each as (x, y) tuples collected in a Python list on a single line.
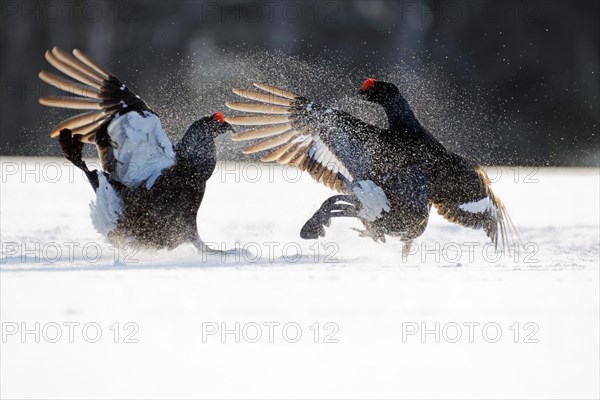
[(342, 317)]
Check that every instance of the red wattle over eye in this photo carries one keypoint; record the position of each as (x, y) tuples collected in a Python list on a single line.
[(368, 84), (218, 117)]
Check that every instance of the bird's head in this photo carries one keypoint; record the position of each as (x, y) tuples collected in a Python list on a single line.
[(214, 124), (378, 91)]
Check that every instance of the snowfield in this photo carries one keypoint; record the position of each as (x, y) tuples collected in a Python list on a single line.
[(342, 317)]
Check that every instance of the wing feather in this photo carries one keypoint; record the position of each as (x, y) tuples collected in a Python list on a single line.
[(257, 107), (270, 143), (131, 141), (76, 121), (72, 72), (68, 85), (69, 60), (289, 155), (262, 132), (331, 145), (90, 63), (77, 103), (262, 97), (262, 119), (275, 154), (88, 129), (276, 91)]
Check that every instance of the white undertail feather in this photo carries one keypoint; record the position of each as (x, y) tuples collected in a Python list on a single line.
[(141, 148), (106, 210), (487, 212), (373, 199), (479, 206), (506, 235)]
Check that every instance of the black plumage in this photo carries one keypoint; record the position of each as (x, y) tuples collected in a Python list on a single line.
[(148, 193), (389, 178), (457, 186)]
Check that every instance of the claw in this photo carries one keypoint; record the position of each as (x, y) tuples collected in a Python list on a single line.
[(366, 233)]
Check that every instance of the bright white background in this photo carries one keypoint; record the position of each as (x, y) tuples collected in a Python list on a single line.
[(367, 290)]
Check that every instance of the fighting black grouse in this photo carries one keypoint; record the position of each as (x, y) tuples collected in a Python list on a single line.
[(148, 192), (389, 178)]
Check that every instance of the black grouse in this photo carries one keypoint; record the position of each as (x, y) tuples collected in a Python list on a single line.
[(148, 192), (389, 178)]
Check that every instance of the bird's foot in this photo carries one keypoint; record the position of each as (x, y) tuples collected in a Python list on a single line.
[(407, 247), (373, 235)]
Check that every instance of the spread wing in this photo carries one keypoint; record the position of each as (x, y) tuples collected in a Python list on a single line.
[(473, 204), (131, 142), (336, 148)]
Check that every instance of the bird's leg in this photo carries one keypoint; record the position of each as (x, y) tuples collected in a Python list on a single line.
[(72, 148), (335, 206), (406, 248), (376, 234)]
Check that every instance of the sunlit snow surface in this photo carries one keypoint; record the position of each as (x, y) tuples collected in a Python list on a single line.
[(371, 296)]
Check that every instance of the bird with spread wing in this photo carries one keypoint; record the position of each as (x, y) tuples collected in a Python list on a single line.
[(387, 178), (148, 192)]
